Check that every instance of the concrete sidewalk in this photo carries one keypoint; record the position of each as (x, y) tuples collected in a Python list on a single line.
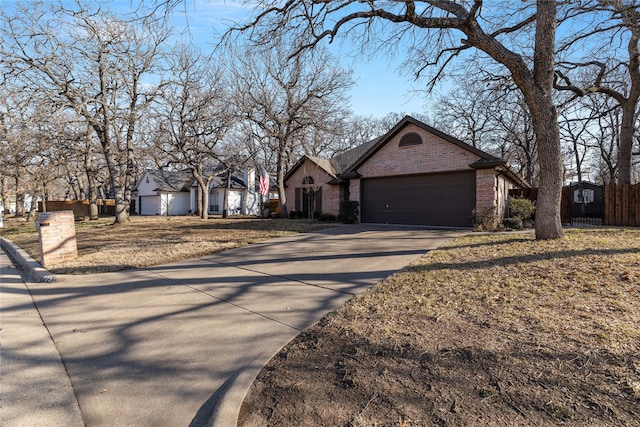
[(35, 389), (180, 344)]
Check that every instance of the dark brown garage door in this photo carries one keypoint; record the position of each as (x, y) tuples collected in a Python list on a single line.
[(445, 199)]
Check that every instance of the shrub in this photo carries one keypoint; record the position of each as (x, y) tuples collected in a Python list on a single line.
[(293, 214), (521, 208), (512, 223), (484, 220), (349, 211), (327, 218)]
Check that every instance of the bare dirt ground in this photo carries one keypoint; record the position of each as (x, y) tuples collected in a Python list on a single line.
[(153, 240), (495, 330)]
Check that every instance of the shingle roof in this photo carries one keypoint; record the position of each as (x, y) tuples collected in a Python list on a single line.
[(377, 144), (177, 181), (171, 180), (324, 164), (344, 165), (343, 161)]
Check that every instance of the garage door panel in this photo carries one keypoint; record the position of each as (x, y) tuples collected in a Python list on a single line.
[(149, 205), (432, 199)]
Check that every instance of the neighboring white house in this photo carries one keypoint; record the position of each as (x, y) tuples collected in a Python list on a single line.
[(175, 192)]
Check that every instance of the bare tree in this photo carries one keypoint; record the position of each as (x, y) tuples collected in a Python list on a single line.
[(29, 153), (285, 101), (193, 118), (608, 73), (92, 63), (82, 161), (605, 134), (491, 114), (467, 110), (17, 149), (432, 28)]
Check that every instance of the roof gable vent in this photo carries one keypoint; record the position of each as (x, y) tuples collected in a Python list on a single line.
[(409, 139)]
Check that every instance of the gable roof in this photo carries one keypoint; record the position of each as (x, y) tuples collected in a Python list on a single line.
[(336, 165), (171, 180), (407, 120), (343, 166), (343, 161), (179, 181)]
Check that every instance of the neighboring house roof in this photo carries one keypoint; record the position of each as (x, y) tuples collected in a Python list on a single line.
[(179, 181), (220, 181), (171, 180)]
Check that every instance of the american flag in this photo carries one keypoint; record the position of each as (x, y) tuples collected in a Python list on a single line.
[(264, 181)]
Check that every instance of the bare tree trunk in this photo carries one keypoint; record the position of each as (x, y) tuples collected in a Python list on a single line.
[(625, 146), (281, 190), (539, 98), (19, 198), (3, 196), (225, 197), (200, 207), (91, 178), (93, 193)]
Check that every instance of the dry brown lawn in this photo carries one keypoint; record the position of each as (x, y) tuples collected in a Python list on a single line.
[(495, 330), (147, 241)]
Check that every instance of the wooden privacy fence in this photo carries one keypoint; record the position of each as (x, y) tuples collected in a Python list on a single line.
[(622, 205), (80, 208), (532, 194)]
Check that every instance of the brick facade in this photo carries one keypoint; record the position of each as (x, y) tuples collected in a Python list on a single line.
[(57, 232), (330, 193), (433, 155), (486, 196)]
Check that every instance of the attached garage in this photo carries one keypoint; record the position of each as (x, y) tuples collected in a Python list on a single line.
[(413, 175), (440, 199)]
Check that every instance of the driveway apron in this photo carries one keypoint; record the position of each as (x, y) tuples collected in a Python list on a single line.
[(180, 344)]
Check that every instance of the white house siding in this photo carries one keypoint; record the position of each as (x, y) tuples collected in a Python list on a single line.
[(154, 202), (216, 197), (174, 203), (251, 205), (235, 202), (147, 187), (149, 205)]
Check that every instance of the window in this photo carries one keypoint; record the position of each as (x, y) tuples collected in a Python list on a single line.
[(588, 196), (214, 205), (307, 181), (409, 139)]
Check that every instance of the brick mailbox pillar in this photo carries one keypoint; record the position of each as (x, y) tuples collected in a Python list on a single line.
[(57, 232)]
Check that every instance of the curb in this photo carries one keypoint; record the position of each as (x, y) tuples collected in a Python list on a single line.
[(32, 270)]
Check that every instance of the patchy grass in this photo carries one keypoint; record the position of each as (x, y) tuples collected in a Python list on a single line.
[(490, 330), (147, 241)]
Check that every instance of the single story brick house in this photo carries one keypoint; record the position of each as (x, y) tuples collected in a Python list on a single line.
[(161, 192), (414, 174)]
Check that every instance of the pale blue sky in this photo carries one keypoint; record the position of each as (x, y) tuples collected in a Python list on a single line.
[(379, 88)]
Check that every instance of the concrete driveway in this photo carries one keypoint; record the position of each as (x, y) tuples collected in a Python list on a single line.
[(180, 344)]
